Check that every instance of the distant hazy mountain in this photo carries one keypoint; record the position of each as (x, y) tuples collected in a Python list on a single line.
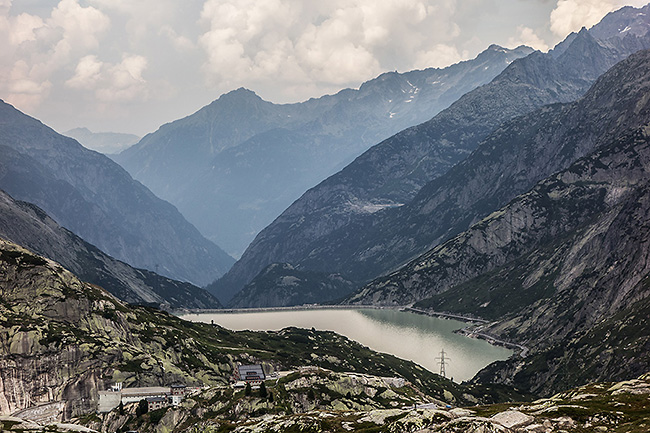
[(29, 226), (104, 142), (234, 165), (95, 198), (337, 227)]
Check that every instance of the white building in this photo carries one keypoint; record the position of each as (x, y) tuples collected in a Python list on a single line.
[(109, 400)]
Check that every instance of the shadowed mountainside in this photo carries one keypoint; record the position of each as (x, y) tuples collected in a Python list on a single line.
[(96, 199)]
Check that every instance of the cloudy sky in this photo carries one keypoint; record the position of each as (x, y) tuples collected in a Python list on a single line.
[(132, 65)]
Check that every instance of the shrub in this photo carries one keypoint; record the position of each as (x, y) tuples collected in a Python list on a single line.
[(143, 408)]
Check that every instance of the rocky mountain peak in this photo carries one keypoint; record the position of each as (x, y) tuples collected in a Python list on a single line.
[(625, 21), (242, 95)]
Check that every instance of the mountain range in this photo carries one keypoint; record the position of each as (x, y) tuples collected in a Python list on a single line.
[(95, 198), (236, 164), (518, 155), (525, 203), (561, 269), (372, 217)]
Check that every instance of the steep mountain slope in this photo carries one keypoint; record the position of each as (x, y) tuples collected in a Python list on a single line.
[(92, 196), (507, 163), (214, 165), (25, 224), (104, 142), (391, 173), (562, 269), (521, 152), (63, 340)]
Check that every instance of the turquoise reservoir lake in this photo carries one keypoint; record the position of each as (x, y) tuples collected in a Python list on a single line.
[(406, 335)]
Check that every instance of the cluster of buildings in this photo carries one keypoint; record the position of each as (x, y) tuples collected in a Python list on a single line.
[(156, 396), (163, 396)]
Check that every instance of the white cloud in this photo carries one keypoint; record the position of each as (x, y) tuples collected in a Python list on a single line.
[(180, 42), (120, 82), (37, 49), (25, 86), (80, 28), (336, 42), (527, 36), (441, 55), (87, 73), (571, 15)]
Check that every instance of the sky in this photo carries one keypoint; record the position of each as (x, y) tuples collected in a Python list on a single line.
[(133, 65)]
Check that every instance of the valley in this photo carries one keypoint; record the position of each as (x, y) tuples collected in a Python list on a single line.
[(455, 242)]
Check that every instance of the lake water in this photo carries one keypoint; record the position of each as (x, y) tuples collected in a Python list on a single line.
[(406, 335)]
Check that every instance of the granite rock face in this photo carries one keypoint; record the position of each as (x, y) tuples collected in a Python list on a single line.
[(62, 340)]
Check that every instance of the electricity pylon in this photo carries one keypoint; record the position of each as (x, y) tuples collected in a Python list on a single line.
[(442, 361)]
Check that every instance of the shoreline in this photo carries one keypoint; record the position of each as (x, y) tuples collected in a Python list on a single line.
[(294, 308)]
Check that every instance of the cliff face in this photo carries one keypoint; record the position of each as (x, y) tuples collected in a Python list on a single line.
[(63, 340), (346, 224), (28, 225)]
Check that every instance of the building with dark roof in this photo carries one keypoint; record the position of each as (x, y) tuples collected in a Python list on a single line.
[(253, 374)]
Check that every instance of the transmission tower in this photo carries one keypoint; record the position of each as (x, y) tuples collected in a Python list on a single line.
[(442, 361)]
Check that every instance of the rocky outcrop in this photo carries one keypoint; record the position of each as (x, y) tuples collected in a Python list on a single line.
[(95, 198), (62, 340), (28, 225), (599, 407), (338, 226)]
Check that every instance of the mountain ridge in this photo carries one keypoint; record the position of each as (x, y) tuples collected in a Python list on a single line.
[(390, 174), (561, 135)]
